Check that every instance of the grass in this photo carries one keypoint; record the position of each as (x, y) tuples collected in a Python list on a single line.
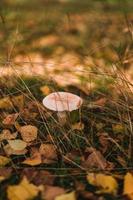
[(93, 33), (114, 117)]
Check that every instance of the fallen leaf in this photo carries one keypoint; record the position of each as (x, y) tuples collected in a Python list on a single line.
[(45, 90), (18, 101), (28, 133), (78, 126), (10, 119), (45, 177), (73, 157), (98, 103), (23, 191), (118, 128), (9, 151), (5, 103), (106, 183), (48, 151), (17, 145), (128, 185), (104, 141), (4, 161), (7, 135), (46, 41), (51, 192), (67, 196), (28, 115), (5, 173), (94, 159), (35, 158)]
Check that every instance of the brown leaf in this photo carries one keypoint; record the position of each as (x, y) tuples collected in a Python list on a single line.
[(35, 158), (45, 177), (28, 115), (28, 133), (4, 160), (72, 157), (94, 159), (78, 126), (7, 135), (10, 119), (51, 192), (18, 101), (5, 103), (104, 141), (48, 151), (88, 195), (5, 173), (98, 103)]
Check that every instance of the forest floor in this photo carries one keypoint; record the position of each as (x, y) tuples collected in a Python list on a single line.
[(83, 48)]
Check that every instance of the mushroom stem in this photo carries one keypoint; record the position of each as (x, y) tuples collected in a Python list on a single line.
[(62, 117)]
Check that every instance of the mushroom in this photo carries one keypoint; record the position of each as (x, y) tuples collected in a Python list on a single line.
[(62, 102)]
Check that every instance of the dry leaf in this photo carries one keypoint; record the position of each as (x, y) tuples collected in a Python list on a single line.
[(51, 192), (48, 151), (17, 145), (7, 135), (45, 90), (23, 191), (28, 115), (35, 158), (45, 177), (94, 159), (107, 183), (118, 128), (5, 173), (4, 161), (78, 126), (9, 151), (18, 101), (10, 119), (67, 196), (98, 103), (104, 141), (128, 185), (28, 133), (5, 103)]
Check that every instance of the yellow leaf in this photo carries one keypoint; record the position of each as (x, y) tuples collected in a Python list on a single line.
[(17, 145), (2, 178), (78, 126), (45, 90), (4, 160), (106, 183), (128, 185), (9, 151), (118, 128), (68, 196), (23, 191), (18, 101), (5, 103)]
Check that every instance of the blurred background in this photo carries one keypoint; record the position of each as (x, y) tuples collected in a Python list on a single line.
[(51, 36)]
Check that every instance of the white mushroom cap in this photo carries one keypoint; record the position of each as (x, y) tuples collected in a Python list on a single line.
[(62, 101)]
